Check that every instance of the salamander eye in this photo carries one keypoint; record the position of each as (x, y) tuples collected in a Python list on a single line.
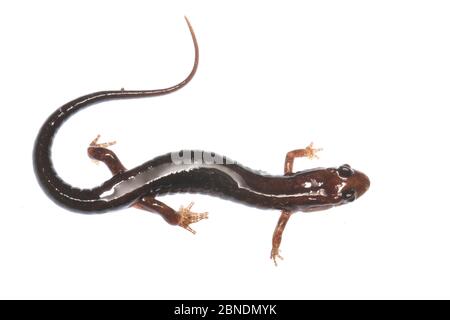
[(345, 171), (349, 195)]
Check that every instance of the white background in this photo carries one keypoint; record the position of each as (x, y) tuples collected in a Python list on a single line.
[(366, 80)]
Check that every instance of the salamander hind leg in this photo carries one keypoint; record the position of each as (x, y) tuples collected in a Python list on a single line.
[(183, 217), (99, 152)]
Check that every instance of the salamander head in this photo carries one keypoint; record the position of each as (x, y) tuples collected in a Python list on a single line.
[(330, 187), (351, 185)]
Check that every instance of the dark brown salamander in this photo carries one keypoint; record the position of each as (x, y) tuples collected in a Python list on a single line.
[(191, 171)]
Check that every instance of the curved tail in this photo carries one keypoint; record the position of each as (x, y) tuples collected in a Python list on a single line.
[(60, 191)]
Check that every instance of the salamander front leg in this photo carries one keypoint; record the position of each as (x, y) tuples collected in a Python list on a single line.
[(311, 153), (184, 217), (278, 234)]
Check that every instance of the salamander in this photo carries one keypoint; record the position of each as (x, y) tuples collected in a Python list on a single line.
[(191, 171)]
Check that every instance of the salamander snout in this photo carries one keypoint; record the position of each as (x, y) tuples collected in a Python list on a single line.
[(354, 183), (361, 183)]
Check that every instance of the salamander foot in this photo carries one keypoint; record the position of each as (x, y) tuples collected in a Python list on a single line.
[(188, 217), (95, 144), (274, 255), (311, 152)]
